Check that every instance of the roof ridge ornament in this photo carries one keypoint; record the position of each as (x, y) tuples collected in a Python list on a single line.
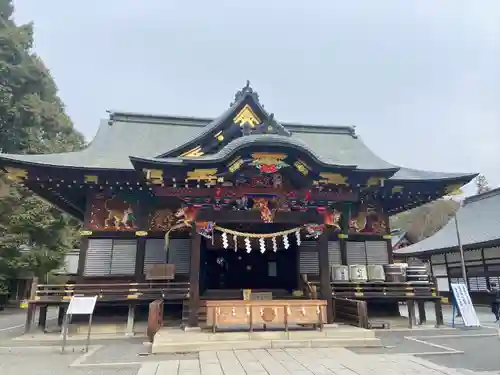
[(246, 90)]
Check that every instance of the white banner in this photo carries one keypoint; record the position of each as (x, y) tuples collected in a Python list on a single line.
[(464, 305)]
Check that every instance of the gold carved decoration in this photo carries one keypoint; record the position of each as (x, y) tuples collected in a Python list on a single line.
[(268, 314), (246, 116), (219, 136), (333, 178), (154, 175), (302, 167), (90, 179), (375, 181), (235, 165), (202, 175), (193, 153), (397, 189), (16, 174), (454, 189), (267, 158)]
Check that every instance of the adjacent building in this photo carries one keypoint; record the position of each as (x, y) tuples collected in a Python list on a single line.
[(479, 232)]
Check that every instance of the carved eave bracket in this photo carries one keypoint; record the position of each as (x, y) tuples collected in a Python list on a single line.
[(16, 174)]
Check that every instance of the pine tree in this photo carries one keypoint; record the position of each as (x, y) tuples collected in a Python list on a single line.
[(32, 120), (482, 185)]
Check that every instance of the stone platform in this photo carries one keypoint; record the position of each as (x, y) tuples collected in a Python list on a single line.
[(172, 340)]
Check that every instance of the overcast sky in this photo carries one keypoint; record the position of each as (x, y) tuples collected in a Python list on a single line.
[(419, 79)]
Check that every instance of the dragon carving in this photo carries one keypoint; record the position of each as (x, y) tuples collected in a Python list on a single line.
[(183, 218), (332, 219)]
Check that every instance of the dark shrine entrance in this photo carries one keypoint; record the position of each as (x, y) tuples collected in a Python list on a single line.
[(237, 269)]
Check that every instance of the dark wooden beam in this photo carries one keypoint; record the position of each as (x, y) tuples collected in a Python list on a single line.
[(238, 191), (229, 216), (194, 278), (66, 206)]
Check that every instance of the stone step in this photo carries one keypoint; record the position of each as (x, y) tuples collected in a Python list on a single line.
[(169, 340), (197, 346)]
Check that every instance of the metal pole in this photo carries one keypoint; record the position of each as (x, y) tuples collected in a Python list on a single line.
[(461, 248)]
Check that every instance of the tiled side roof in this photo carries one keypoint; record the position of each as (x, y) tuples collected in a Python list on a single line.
[(478, 221)]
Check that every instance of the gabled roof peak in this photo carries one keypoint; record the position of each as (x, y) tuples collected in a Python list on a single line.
[(246, 90)]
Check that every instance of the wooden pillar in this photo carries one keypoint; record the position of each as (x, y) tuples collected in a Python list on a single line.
[(344, 235), (84, 242), (42, 317), (388, 239), (422, 317), (84, 245), (139, 260), (412, 321), (130, 320), (194, 277), (60, 315), (438, 309), (324, 273)]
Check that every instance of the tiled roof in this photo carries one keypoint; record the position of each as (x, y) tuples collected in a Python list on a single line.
[(147, 136), (478, 222)]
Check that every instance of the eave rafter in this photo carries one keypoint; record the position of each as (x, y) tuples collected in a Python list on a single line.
[(403, 195)]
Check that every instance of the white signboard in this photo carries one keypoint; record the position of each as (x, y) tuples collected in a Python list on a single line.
[(81, 306), (464, 305), (78, 306)]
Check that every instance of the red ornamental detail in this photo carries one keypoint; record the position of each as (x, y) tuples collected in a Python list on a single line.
[(268, 168)]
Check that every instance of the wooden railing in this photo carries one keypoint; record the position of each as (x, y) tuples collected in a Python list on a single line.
[(53, 293), (351, 311), (155, 318), (383, 290)]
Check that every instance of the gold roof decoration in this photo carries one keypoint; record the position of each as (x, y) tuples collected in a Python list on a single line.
[(154, 175), (453, 189), (333, 178), (193, 153), (16, 174), (202, 175), (247, 116), (375, 181)]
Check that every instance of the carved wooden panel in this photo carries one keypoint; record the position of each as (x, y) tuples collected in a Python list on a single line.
[(113, 212), (366, 219), (306, 314), (169, 215), (279, 312)]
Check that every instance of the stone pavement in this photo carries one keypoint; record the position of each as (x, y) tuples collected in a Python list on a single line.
[(307, 361)]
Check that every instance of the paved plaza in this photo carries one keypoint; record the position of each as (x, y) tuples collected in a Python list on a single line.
[(418, 351)]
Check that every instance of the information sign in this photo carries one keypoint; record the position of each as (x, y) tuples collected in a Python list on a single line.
[(78, 305), (464, 304), (81, 306)]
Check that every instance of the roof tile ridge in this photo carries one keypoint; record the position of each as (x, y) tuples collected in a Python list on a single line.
[(479, 197)]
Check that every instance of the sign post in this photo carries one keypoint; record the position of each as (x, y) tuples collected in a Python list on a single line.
[(78, 306), (464, 305)]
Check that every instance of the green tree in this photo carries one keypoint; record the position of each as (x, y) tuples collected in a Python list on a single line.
[(32, 120)]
